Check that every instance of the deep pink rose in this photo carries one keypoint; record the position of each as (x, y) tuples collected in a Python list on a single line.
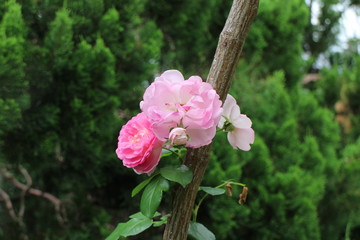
[(170, 101), (138, 147)]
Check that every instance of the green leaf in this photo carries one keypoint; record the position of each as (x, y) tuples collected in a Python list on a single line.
[(200, 232), (164, 184), (138, 215), (157, 214), (141, 185), (132, 227), (162, 221), (165, 153), (152, 195), (181, 175), (168, 152), (212, 191)]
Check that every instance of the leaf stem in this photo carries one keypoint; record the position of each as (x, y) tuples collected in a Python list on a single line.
[(219, 130), (196, 209), (172, 151)]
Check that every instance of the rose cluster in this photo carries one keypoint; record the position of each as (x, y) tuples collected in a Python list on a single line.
[(176, 111)]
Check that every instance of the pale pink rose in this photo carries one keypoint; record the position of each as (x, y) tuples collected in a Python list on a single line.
[(240, 133), (170, 101), (178, 136), (138, 147)]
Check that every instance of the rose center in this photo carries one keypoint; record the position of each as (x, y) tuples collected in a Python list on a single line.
[(228, 127), (138, 136), (176, 107), (171, 107)]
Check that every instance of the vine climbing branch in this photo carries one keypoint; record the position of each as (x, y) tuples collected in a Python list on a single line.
[(27, 189), (227, 55)]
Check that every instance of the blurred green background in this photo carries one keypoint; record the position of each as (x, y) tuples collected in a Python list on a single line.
[(73, 72)]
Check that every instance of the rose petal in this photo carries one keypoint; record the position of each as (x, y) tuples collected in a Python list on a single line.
[(241, 138), (172, 76), (242, 121), (162, 129), (152, 160), (221, 122), (228, 106), (200, 137)]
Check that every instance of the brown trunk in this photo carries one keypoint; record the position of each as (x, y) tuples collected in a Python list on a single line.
[(227, 55)]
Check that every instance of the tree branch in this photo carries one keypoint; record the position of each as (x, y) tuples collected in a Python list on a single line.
[(26, 189), (8, 204), (28, 180), (227, 55), (18, 219)]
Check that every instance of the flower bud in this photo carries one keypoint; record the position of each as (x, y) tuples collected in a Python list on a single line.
[(178, 136)]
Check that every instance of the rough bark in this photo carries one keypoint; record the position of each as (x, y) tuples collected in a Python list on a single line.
[(227, 55)]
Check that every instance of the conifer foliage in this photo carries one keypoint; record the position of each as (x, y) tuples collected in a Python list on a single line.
[(73, 72), (69, 75)]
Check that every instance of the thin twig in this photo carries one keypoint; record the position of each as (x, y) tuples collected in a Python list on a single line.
[(28, 180), (8, 204), (26, 188)]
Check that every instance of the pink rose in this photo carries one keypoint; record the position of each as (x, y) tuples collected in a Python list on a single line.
[(238, 126), (138, 147), (171, 102), (178, 136)]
